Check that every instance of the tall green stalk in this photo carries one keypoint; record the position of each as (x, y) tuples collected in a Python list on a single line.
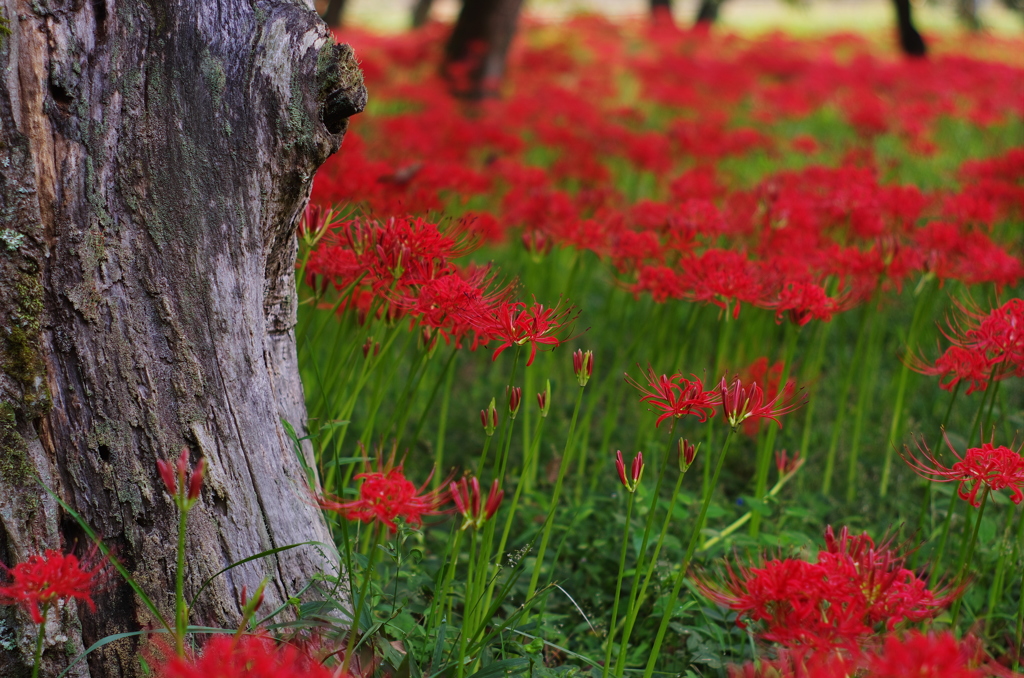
[(610, 640), (966, 558), (764, 459), (38, 657), (670, 606), (844, 394), (866, 389), (556, 493), (924, 303)]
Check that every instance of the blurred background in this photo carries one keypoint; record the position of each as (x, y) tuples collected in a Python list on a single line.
[(738, 15)]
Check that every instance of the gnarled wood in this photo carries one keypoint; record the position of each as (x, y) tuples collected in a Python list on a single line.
[(155, 158)]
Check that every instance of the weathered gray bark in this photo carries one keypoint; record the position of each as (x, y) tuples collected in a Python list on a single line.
[(155, 158)]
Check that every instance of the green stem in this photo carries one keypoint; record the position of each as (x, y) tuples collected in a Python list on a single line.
[(866, 388), (357, 611), (742, 520), (180, 608), (442, 423), (996, 590), (549, 521), (965, 565), (811, 373), (926, 503), (452, 560), (940, 552), (764, 460), (670, 605), (844, 394), (637, 595), (39, 643), (610, 640), (1018, 551), (924, 302)]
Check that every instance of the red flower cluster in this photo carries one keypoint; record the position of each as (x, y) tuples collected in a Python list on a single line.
[(854, 590), (805, 244), (42, 580), (997, 468), (403, 267), (676, 396), (385, 496), (245, 657), (914, 655), (984, 346)]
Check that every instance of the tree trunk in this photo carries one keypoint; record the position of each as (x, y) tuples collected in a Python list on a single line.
[(707, 12), (661, 12), (911, 41), (475, 55), (421, 12), (967, 13), (156, 157), (334, 15)]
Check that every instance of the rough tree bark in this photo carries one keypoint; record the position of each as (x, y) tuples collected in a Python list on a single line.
[(155, 158), (475, 55)]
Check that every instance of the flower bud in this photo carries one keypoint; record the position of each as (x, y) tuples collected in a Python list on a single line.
[(515, 399), (167, 475), (195, 483), (636, 470), (182, 467), (494, 498), (544, 399), (687, 453), (489, 418), (583, 366)]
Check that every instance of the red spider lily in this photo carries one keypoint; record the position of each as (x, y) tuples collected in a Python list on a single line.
[(955, 366), (799, 663), (514, 323), (997, 335), (854, 591), (676, 396), (912, 655), (245, 657), (636, 470), (466, 496), (997, 468), (385, 496), (42, 580), (740, 403), (805, 301), (932, 655)]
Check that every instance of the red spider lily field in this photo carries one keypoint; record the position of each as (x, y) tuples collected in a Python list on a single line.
[(691, 354)]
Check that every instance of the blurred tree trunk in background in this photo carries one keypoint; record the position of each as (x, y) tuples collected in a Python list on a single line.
[(707, 11), (334, 15), (661, 11), (156, 158), (967, 13), (476, 52), (421, 12), (911, 41)]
